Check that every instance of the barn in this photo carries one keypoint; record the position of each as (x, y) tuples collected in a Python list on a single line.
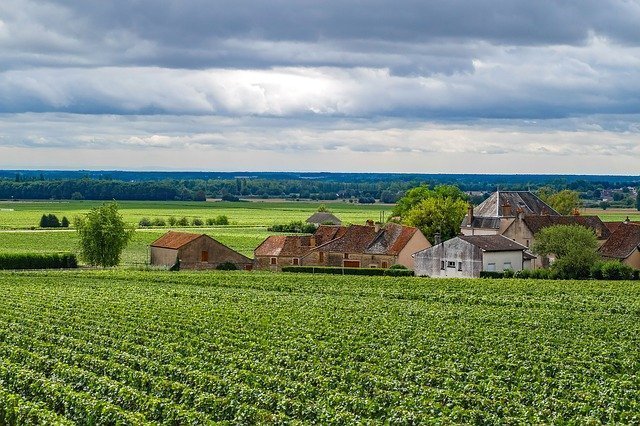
[(194, 251)]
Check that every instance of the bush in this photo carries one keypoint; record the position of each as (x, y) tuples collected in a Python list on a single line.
[(508, 273), (227, 266), (349, 271), (144, 222), (398, 266), (64, 222), (38, 260), (49, 221), (491, 274), (158, 221), (210, 221), (612, 270), (183, 221), (294, 227), (197, 221), (221, 220), (229, 197), (172, 221)]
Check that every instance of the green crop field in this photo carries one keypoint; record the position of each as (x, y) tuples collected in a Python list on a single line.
[(23, 215), (124, 347)]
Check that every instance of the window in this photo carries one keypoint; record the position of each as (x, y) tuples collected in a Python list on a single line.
[(321, 257), (346, 255), (442, 264), (204, 256), (373, 265), (507, 265), (491, 267), (385, 265), (274, 260), (527, 243), (351, 263), (459, 266), (295, 261), (451, 264)]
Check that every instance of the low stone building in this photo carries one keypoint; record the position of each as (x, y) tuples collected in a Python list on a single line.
[(624, 244), (370, 246), (195, 251), (467, 256)]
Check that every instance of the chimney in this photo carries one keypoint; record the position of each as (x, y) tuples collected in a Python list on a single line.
[(506, 209), (437, 238), (576, 212), (377, 227), (520, 213), (545, 212), (627, 220), (470, 214), (369, 222)]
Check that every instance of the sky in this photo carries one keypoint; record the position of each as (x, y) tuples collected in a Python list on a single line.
[(416, 86)]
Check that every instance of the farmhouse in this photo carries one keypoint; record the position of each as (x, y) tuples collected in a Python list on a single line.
[(468, 255), (287, 250), (370, 246), (495, 214), (624, 244), (324, 218), (194, 251)]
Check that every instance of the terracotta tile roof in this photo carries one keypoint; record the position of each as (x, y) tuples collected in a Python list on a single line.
[(326, 233), (324, 217), (494, 206), (623, 242), (536, 223), (391, 240), (175, 240), (614, 225), (492, 242), (284, 245), (356, 239)]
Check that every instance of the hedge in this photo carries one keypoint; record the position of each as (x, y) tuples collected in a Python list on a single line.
[(349, 271), (38, 260)]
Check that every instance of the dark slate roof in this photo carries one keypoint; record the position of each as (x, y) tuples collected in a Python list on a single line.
[(391, 240), (324, 217), (623, 242), (495, 205), (284, 245), (356, 239), (482, 222), (492, 242), (175, 240), (537, 223)]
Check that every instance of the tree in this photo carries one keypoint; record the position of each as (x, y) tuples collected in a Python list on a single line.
[(604, 205), (564, 202), (638, 200), (323, 208), (574, 247), (103, 235), (64, 222), (416, 195), (437, 215)]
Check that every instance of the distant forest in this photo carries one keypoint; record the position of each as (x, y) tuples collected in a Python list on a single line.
[(197, 186)]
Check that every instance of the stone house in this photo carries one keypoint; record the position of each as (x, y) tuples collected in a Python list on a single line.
[(466, 256), (495, 214), (194, 251), (369, 246), (277, 251), (524, 228), (624, 244)]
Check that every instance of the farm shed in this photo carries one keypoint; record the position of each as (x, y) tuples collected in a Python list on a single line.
[(195, 251), (467, 256), (324, 218)]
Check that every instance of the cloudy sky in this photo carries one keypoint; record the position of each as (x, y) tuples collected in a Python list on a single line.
[(475, 86)]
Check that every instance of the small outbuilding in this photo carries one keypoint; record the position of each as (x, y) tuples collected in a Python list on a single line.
[(324, 218), (195, 251), (468, 255)]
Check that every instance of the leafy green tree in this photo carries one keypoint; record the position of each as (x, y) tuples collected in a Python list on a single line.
[(323, 208), (103, 235), (64, 222), (604, 205), (437, 215), (416, 195), (638, 200), (574, 247), (564, 202)]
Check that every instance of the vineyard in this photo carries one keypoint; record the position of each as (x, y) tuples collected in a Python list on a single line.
[(123, 347)]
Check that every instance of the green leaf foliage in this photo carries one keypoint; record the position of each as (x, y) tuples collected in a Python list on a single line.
[(573, 246), (103, 235)]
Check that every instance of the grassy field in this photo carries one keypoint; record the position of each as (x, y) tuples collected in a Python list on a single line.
[(194, 348), (23, 215)]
